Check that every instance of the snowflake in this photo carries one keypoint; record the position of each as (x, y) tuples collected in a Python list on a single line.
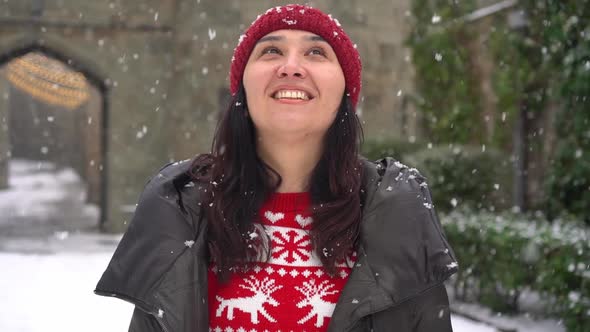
[(291, 246), (282, 272), (241, 39)]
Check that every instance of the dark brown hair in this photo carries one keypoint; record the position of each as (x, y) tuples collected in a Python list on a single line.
[(237, 182)]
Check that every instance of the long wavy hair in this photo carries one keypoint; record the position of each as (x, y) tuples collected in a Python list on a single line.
[(237, 182)]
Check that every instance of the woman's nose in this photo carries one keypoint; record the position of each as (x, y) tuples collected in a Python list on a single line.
[(292, 68)]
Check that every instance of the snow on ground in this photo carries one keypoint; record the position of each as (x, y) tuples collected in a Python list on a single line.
[(42, 199), (43, 293), (507, 323), (33, 187), (461, 324)]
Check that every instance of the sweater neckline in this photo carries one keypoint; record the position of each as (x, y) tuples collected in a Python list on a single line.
[(289, 201)]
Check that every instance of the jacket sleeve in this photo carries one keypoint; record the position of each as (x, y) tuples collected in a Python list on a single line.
[(143, 322), (432, 311)]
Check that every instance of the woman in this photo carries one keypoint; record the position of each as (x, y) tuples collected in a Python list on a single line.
[(283, 227)]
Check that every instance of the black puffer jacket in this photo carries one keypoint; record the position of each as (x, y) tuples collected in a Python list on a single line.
[(161, 262)]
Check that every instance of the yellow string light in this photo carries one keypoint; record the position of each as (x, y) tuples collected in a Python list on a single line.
[(53, 87), (42, 94), (48, 80), (73, 79)]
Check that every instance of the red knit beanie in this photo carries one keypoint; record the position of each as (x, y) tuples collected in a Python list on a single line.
[(299, 17)]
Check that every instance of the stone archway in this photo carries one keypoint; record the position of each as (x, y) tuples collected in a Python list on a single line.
[(53, 109)]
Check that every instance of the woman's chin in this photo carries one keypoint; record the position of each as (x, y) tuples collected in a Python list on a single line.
[(292, 129)]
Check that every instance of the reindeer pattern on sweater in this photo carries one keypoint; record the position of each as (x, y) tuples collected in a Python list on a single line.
[(290, 292)]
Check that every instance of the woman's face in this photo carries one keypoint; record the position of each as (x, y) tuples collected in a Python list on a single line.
[(294, 84)]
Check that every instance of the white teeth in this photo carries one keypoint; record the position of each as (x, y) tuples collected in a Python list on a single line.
[(291, 94)]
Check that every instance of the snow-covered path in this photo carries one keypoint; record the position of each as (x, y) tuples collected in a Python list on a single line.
[(42, 199), (54, 293)]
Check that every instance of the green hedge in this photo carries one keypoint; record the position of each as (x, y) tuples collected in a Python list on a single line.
[(502, 254), (465, 176)]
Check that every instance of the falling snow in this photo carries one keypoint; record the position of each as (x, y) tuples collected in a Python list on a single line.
[(212, 33)]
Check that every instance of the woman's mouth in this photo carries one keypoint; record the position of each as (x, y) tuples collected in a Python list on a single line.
[(291, 95)]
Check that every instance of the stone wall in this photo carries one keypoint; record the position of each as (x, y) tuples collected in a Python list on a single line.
[(161, 67)]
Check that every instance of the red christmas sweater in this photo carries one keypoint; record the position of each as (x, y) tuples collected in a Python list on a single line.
[(290, 292)]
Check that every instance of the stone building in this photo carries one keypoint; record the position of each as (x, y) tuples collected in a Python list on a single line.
[(156, 74)]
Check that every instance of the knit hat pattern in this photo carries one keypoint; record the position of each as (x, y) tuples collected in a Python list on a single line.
[(300, 17)]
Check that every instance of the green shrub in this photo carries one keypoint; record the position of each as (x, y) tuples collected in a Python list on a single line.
[(465, 176), (568, 183), (447, 90), (537, 67), (502, 254)]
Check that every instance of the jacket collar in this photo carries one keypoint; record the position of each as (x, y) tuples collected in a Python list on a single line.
[(402, 251)]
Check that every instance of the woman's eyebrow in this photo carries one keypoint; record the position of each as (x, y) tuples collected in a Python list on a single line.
[(282, 38), (315, 38), (270, 38)]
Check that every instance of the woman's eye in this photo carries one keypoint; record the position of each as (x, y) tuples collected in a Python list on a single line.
[(317, 51), (271, 50)]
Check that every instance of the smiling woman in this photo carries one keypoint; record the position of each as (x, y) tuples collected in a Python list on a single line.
[(283, 226)]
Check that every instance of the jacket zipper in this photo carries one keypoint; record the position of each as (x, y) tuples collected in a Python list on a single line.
[(162, 326)]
